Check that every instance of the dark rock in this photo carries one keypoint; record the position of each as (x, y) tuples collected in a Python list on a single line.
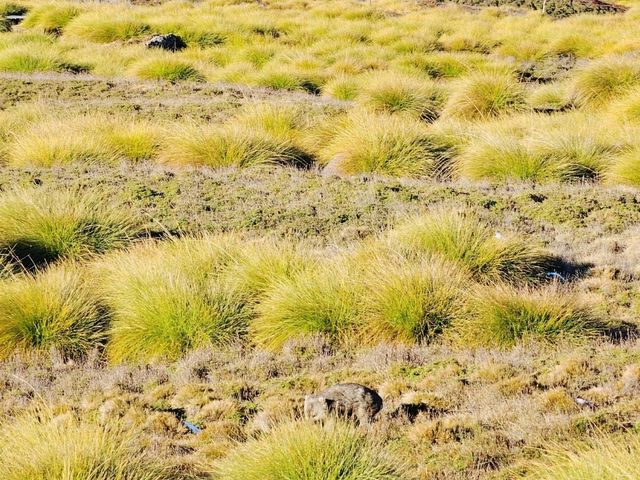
[(169, 42)]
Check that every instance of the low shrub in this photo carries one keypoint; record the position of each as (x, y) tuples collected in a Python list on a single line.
[(462, 237), (486, 95), (302, 450), (39, 446), (42, 225), (52, 309), (502, 316)]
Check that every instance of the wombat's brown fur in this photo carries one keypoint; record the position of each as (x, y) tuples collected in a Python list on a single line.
[(344, 399)]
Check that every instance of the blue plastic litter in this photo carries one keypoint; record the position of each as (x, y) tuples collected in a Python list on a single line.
[(193, 428), (557, 276)]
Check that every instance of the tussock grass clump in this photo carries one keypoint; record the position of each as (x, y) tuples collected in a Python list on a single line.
[(625, 169), (464, 238), (302, 450), (606, 79), (411, 301), (165, 68), (50, 17), (486, 95), (11, 8), (230, 145), (436, 65), (104, 28), (39, 446), (502, 316), (56, 142), (387, 145), (258, 265), (601, 458), (289, 78), (344, 87), (502, 157), (399, 94), (52, 309), (321, 300), (41, 225), (628, 108), (576, 155), (98, 139), (281, 120), (166, 299), (552, 97), (24, 59)]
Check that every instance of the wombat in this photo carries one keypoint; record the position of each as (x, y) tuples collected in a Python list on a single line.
[(344, 399)]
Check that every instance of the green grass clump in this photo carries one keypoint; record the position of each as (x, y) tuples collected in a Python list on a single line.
[(166, 299), (628, 107), (387, 145), (576, 155), (502, 316), (305, 451), (230, 145), (41, 225), (343, 87), (625, 169), (26, 60), (437, 66), (39, 446), (11, 8), (486, 95), (59, 141), (289, 78), (258, 265), (50, 17), (317, 301), (52, 309), (400, 94), (606, 79), (464, 238), (411, 301), (101, 28), (601, 458), (502, 157), (165, 68)]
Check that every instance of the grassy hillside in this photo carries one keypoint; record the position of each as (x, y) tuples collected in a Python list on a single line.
[(437, 200)]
